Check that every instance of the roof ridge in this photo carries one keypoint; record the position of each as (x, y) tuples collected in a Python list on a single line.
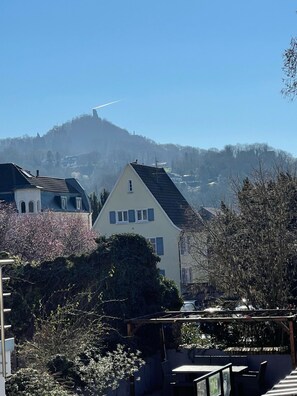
[(166, 193)]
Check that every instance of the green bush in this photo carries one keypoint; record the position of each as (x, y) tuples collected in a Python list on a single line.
[(30, 382)]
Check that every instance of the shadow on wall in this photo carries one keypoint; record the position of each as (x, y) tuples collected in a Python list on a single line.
[(278, 365)]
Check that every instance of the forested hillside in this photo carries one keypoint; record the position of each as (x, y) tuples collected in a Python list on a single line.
[(94, 151)]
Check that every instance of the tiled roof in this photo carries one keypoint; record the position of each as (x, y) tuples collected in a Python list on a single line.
[(13, 177), (52, 184), (10, 177), (167, 194), (208, 213)]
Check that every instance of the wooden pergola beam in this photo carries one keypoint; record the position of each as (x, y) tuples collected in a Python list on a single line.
[(285, 318)]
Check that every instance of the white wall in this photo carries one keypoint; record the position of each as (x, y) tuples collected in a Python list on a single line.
[(194, 256), (27, 195), (141, 198), (33, 194)]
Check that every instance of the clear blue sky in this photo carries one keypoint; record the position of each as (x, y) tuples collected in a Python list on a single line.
[(204, 73)]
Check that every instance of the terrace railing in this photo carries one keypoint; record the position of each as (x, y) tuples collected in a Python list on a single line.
[(216, 383)]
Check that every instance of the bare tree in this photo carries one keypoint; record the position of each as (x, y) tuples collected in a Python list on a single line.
[(290, 70), (66, 353), (250, 251)]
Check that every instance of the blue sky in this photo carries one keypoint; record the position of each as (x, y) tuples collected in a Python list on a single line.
[(204, 73)]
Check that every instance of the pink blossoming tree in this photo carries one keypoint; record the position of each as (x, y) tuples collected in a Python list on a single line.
[(44, 236)]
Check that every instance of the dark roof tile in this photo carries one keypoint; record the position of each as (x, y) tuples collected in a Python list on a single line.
[(167, 194), (13, 177)]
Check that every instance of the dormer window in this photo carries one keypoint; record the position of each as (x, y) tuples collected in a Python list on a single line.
[(64, 203), (130, 186), (78, 203)]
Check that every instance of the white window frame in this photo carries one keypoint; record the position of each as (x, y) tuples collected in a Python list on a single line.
[(122, 216), (31, 206), (78, 202), (141, 215), (130, 186), (23, 207), (185, 245), (63, 202), (187, 275), (153, 242), (189, 244)]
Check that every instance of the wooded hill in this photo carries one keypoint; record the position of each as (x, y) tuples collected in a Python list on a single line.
[(94, 151)]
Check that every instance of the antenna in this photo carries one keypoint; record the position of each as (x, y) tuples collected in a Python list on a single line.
[(157, 165)]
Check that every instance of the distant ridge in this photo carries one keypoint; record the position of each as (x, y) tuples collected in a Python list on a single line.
[(94, 151)]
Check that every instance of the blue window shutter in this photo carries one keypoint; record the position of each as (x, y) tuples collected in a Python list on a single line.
[(112, 217), (160, 246), (131, 216), (150, 214)]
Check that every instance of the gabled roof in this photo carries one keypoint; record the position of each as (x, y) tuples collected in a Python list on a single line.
[(167, 194), (208, 213)]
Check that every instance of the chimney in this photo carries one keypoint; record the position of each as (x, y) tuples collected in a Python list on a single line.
[(37, 173)]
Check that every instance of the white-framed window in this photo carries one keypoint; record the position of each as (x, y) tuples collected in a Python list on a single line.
[(157, 245), (185, 245), (186, 275), (31, 207), (23, 207), (141, 215), (152, 241), (130, 186), (63, 202), (122, 216), (182, 245), (189, 243), (131, 216), (78, 203)]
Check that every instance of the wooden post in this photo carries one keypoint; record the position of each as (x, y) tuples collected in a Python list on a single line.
[(162, 344), (129, 329), (292, 343)]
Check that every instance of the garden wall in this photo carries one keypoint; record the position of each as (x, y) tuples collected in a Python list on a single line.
[(279, 365), (150, 376), (148, 379)]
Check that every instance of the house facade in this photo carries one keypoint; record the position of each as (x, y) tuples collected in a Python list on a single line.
[(35, 193), (145, 201)]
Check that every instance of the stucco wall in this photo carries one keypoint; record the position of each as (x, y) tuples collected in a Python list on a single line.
[(140, 198), (27, 195)]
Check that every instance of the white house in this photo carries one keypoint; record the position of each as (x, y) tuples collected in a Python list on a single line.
[(34, 193), (145, 201)]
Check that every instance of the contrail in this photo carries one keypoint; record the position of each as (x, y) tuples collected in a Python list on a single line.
[(106, 104)]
